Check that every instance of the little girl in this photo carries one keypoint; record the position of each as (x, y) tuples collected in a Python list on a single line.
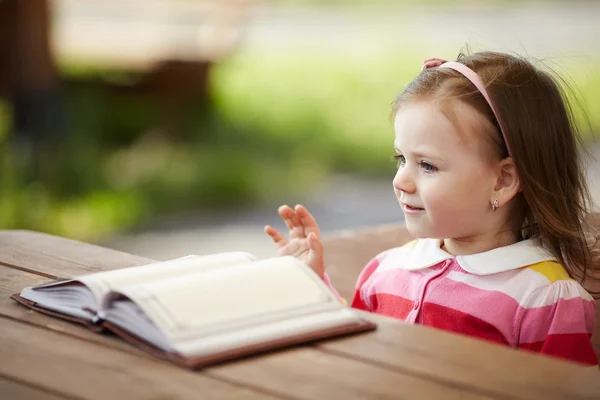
[(491, 185)]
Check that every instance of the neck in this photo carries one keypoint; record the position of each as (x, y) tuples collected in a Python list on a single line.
[(478, 244)]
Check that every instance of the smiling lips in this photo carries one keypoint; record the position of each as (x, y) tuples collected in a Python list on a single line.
[(410, 209)]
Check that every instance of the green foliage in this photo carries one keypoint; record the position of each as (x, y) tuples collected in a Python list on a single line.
[(332, 109)]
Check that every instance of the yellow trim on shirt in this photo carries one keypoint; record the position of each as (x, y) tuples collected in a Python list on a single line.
[(551, 270)]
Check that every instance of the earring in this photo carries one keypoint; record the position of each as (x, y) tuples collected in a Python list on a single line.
[(495, 205)]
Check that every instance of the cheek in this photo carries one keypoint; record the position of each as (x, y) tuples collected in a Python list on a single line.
[(456, 196), (436, 198)]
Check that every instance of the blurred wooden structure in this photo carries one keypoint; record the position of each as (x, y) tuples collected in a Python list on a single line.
[(170, 45), (24, 47), (28, 75)]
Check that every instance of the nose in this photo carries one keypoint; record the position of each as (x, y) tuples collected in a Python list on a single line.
[(403, 181)]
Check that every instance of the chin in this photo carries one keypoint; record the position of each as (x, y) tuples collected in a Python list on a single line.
[(420, 233), (416, 232)]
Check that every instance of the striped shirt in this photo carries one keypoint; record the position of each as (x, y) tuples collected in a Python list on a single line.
[(516, 295)]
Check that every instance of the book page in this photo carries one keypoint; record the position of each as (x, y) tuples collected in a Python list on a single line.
[(103, 282), (232, 294)]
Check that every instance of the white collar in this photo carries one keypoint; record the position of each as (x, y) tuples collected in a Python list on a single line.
[(427, 252)]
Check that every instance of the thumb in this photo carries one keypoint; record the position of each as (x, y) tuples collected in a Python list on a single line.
[(315, 254)]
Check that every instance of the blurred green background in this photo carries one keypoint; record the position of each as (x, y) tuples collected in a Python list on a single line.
[(274, 119)]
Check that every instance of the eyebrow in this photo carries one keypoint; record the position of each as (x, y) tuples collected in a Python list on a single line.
[(420, 155)]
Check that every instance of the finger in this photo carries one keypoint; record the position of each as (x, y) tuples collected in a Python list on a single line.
[(286, 214), (276, 236), (292, 221), (315, 244), (308, 221)]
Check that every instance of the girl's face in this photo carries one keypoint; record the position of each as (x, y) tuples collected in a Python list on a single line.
[(443, 183)]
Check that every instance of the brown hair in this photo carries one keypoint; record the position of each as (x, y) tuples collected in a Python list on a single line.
[(537, 120)]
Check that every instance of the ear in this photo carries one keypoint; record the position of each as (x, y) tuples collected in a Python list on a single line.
[(508, 183)]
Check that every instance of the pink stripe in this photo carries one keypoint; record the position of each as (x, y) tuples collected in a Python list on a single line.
[(397, 282), (493, 307), (563, 317)]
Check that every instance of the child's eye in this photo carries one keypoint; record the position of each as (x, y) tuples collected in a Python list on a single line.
[(400, 160), (427, 167)]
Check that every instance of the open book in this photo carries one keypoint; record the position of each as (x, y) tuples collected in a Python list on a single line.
[(199, 310)]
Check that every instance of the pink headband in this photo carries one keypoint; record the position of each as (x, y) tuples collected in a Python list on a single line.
[(473, 78)]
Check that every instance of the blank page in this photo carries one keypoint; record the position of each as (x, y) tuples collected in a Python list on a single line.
[(230, 294), (103, 282)]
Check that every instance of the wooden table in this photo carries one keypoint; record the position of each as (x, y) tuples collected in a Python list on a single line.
[(45, 358)]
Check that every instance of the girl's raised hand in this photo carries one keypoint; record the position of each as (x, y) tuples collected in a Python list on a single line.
[(304, 238)]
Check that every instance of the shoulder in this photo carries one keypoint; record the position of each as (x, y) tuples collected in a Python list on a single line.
[(551, 284), (559, 309)]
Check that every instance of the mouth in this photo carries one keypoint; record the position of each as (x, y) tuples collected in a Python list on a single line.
[(411, 209)]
